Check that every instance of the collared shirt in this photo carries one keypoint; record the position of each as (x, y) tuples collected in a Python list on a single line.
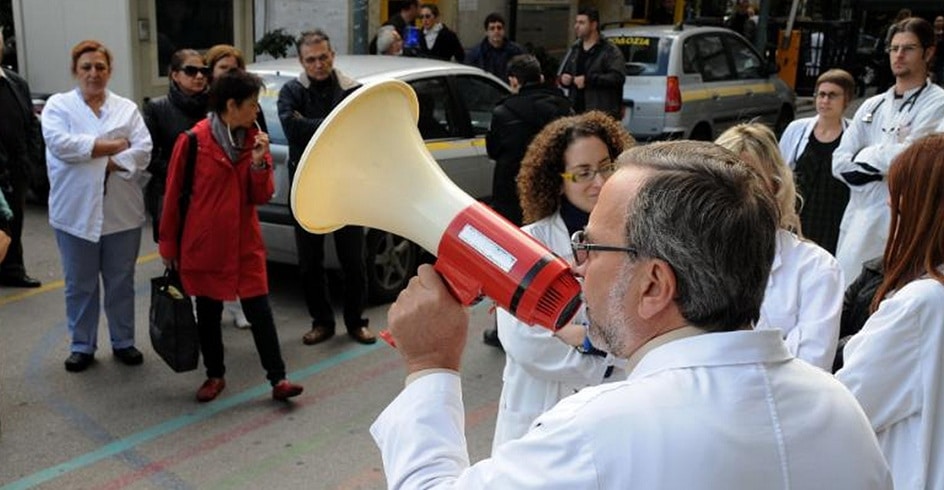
[(79, 203), (432, 33)]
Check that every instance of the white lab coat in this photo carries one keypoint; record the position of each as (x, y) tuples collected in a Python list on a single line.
[(804, 300), (796, 136), (729, 410), (540, 369), (78, 204), (894, 125), (895, 368)]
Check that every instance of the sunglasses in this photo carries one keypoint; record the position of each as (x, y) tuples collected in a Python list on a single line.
[(191, 71)]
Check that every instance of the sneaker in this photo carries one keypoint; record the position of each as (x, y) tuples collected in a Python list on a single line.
[(239, 318), (240, 322), (490, 337), (283, 390), (210, 389)]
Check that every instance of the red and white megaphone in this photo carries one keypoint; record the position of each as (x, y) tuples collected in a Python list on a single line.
[(368, 165)]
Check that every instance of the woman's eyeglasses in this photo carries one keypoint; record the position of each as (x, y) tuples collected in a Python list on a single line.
[(581, 248), (585, 174), (192, 71)]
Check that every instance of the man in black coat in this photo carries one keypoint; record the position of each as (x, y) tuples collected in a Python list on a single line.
[(495, 50), (21, 150), (594, 70), (516, 119), (303, 104)]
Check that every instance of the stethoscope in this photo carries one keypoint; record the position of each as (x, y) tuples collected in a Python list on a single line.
[(910, 102)]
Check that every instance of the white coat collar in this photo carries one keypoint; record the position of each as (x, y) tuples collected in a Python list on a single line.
[(715, 349)]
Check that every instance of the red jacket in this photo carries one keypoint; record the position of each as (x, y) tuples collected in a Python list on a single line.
[(221, 254)]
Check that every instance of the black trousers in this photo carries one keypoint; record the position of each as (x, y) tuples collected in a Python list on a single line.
[(349, 243), (259, 314), (12, 265)]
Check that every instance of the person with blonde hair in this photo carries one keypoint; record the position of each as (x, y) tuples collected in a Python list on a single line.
[(893, 365), (804, 291), (560, 179)]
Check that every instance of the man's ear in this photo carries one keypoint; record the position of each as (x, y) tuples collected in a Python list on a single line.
[(657, 287)]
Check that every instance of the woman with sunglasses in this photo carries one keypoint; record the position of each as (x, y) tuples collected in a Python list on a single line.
[(438, 41), (803, 298), (217, 247), (558, 184), (167, 116), (893, 365)]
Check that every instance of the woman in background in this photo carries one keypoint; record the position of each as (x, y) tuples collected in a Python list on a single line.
[(218, 247), (97, 150), (437, 40), (168, 116), (804, 291), (560, 178), (893, 366), (807, 146)]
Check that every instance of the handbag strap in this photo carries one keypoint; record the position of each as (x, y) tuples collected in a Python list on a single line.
[(183, 201)]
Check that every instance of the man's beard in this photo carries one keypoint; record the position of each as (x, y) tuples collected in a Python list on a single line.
[(609, 333)]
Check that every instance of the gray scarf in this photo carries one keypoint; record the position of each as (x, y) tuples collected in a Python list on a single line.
[(227, 139)]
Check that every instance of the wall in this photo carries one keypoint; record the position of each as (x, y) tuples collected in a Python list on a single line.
[(295, 16)]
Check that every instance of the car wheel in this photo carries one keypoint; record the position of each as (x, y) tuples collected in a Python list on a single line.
[(783, 120), (391, 262), (702, 132)]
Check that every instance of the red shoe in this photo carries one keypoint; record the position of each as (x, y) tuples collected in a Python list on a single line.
[(283, 390), (210, 389)]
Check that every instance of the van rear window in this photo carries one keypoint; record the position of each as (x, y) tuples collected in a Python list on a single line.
[(645, 56)]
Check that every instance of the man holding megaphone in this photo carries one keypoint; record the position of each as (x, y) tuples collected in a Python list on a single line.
[(303, 105), (675, 258)]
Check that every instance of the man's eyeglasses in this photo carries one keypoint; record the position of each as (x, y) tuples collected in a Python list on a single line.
[(903, 48), (828, 95), (585, 174), (427, 16), (581, 249), (192, 71)]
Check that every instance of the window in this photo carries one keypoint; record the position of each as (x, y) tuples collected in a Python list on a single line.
[(712, 58), (746, 62), (644, 55), (187, 24), (434, 120), (479, 96), (268, 102)]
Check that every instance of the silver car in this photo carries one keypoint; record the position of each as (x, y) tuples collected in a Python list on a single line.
[(460, 99), (695, 82)]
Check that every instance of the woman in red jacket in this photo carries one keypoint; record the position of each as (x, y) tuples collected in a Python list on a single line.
[(217, 246)]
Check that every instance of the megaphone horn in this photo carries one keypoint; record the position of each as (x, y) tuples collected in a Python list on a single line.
[(391, 182)]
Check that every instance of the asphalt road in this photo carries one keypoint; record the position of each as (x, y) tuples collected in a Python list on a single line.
[(114, 426)]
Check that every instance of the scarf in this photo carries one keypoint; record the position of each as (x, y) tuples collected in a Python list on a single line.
[(574, 219), (230, 141), (194, 106)]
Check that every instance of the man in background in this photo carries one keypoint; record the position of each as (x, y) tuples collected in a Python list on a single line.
[(594, 70), (21, 150), (495, 50)]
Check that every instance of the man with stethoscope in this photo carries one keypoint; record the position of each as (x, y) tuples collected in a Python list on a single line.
[(882, 127)]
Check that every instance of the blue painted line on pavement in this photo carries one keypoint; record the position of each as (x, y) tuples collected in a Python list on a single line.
[(160, 430)]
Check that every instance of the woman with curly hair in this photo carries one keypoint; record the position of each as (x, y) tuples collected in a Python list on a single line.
[(558, 184), (803, 298)]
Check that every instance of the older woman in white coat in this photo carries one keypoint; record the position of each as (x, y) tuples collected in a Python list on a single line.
[(893, 366), (804, 291), (97, 150), (807, 146), (558, 184)]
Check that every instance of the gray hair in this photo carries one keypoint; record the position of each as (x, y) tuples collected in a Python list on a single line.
[(710, 218), (309, 38), (385, 38)]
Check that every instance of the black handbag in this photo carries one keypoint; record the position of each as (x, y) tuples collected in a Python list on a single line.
[(173, 328)]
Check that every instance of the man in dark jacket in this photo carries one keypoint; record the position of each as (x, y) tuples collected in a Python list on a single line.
[(516, 119), (21, 150), (594, 70), (495, 50), (303, 105)]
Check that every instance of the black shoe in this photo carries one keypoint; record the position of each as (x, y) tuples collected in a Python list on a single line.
[(129, 356), (78, 362), (23, 281), (490, 337)]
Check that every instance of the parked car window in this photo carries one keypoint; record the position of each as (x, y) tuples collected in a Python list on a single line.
[(690, 58), (268, 102), (479, 96), (434, 120), (746, 62), (644, 55), (712, 58)]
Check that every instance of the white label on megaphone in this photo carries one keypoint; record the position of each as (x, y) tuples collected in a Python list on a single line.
[(487, 248)]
